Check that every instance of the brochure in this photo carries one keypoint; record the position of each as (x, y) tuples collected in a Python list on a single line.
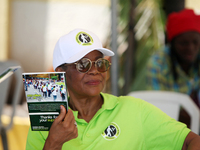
[(45, 92)]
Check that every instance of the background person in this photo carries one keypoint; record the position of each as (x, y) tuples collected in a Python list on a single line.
[(54, 93), (135, 124), (39, 86), (44, 90), (63, 91), (176, 68), (49, 89)]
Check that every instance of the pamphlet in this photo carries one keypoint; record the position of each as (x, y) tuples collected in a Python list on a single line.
[(45, 92)]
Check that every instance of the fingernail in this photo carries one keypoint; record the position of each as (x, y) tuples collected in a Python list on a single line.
[(60, 107)]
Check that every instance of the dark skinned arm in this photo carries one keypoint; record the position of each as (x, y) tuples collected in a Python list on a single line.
[(192, 142)]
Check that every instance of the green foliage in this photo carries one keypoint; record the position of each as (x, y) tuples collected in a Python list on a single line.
[(149, 23), (124, 7), (54, 77)]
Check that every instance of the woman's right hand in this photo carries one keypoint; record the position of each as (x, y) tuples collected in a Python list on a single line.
[(62, 130)]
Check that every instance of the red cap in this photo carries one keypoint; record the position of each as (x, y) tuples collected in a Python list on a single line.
[(183, 21)]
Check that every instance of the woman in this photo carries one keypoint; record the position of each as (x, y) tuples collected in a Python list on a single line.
[(54, 93), (176, 68), (97, 120)]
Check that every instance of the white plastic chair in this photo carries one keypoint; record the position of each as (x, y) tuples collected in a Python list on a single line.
[(170, 103), (4, 92)]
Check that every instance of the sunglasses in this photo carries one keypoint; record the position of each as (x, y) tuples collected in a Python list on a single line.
[(85, 64)]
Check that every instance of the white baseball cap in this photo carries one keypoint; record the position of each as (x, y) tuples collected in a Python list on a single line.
[(75, 45)]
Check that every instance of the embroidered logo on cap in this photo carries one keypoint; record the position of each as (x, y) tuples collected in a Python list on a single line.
[(111, 132), (84, 38)]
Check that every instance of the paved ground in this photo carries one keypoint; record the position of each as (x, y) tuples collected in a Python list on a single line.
[(32, 90), (21, 110)]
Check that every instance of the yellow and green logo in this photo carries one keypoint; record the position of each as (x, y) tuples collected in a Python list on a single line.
[(111, 132), (83, 38)]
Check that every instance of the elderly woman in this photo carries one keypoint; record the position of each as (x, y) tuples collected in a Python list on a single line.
[(96, 120)]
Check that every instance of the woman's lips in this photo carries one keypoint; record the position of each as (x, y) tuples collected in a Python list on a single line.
[(93, 82), (189, 56)]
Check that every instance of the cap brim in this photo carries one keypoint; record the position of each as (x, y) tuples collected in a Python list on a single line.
[(78, 56)]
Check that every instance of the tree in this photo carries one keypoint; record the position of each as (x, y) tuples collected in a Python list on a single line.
[(144, 28), (170, 6), (142, 24)]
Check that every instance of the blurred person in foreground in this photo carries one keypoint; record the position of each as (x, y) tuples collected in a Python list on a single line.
[(97, 120), (177, 67)]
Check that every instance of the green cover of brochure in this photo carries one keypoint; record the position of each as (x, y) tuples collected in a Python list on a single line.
[(45, 92)]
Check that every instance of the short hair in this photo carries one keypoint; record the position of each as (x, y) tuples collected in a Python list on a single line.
[(63, 66)]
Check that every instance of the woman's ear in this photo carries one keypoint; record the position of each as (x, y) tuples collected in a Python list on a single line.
[(59, 69)]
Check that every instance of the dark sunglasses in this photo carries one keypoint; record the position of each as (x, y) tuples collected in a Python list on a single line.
[(85, 64)]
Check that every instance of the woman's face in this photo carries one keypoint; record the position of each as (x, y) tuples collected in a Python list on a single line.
[(86, 84), (187, 46)]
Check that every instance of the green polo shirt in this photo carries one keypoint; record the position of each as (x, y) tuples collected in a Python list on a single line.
[(122, 123)]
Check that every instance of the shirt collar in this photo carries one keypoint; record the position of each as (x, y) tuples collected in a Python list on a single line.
[(110, 101)]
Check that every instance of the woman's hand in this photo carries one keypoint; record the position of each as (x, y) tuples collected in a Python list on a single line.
[(62, 130)]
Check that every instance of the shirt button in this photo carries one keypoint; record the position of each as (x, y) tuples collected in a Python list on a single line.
[(87, 134)]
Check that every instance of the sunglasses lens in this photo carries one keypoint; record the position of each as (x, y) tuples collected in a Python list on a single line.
[(102, 65), (83, 65)]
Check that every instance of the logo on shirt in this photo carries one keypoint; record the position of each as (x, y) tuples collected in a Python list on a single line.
[(111, 132), (84, 38)]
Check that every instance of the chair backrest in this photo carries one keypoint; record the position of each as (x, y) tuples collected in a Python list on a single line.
[(6, 84), (170, 103), (4, 87)]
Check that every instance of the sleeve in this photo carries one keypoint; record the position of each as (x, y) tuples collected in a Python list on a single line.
[(162, 131), (155, 77), (36, 140)]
